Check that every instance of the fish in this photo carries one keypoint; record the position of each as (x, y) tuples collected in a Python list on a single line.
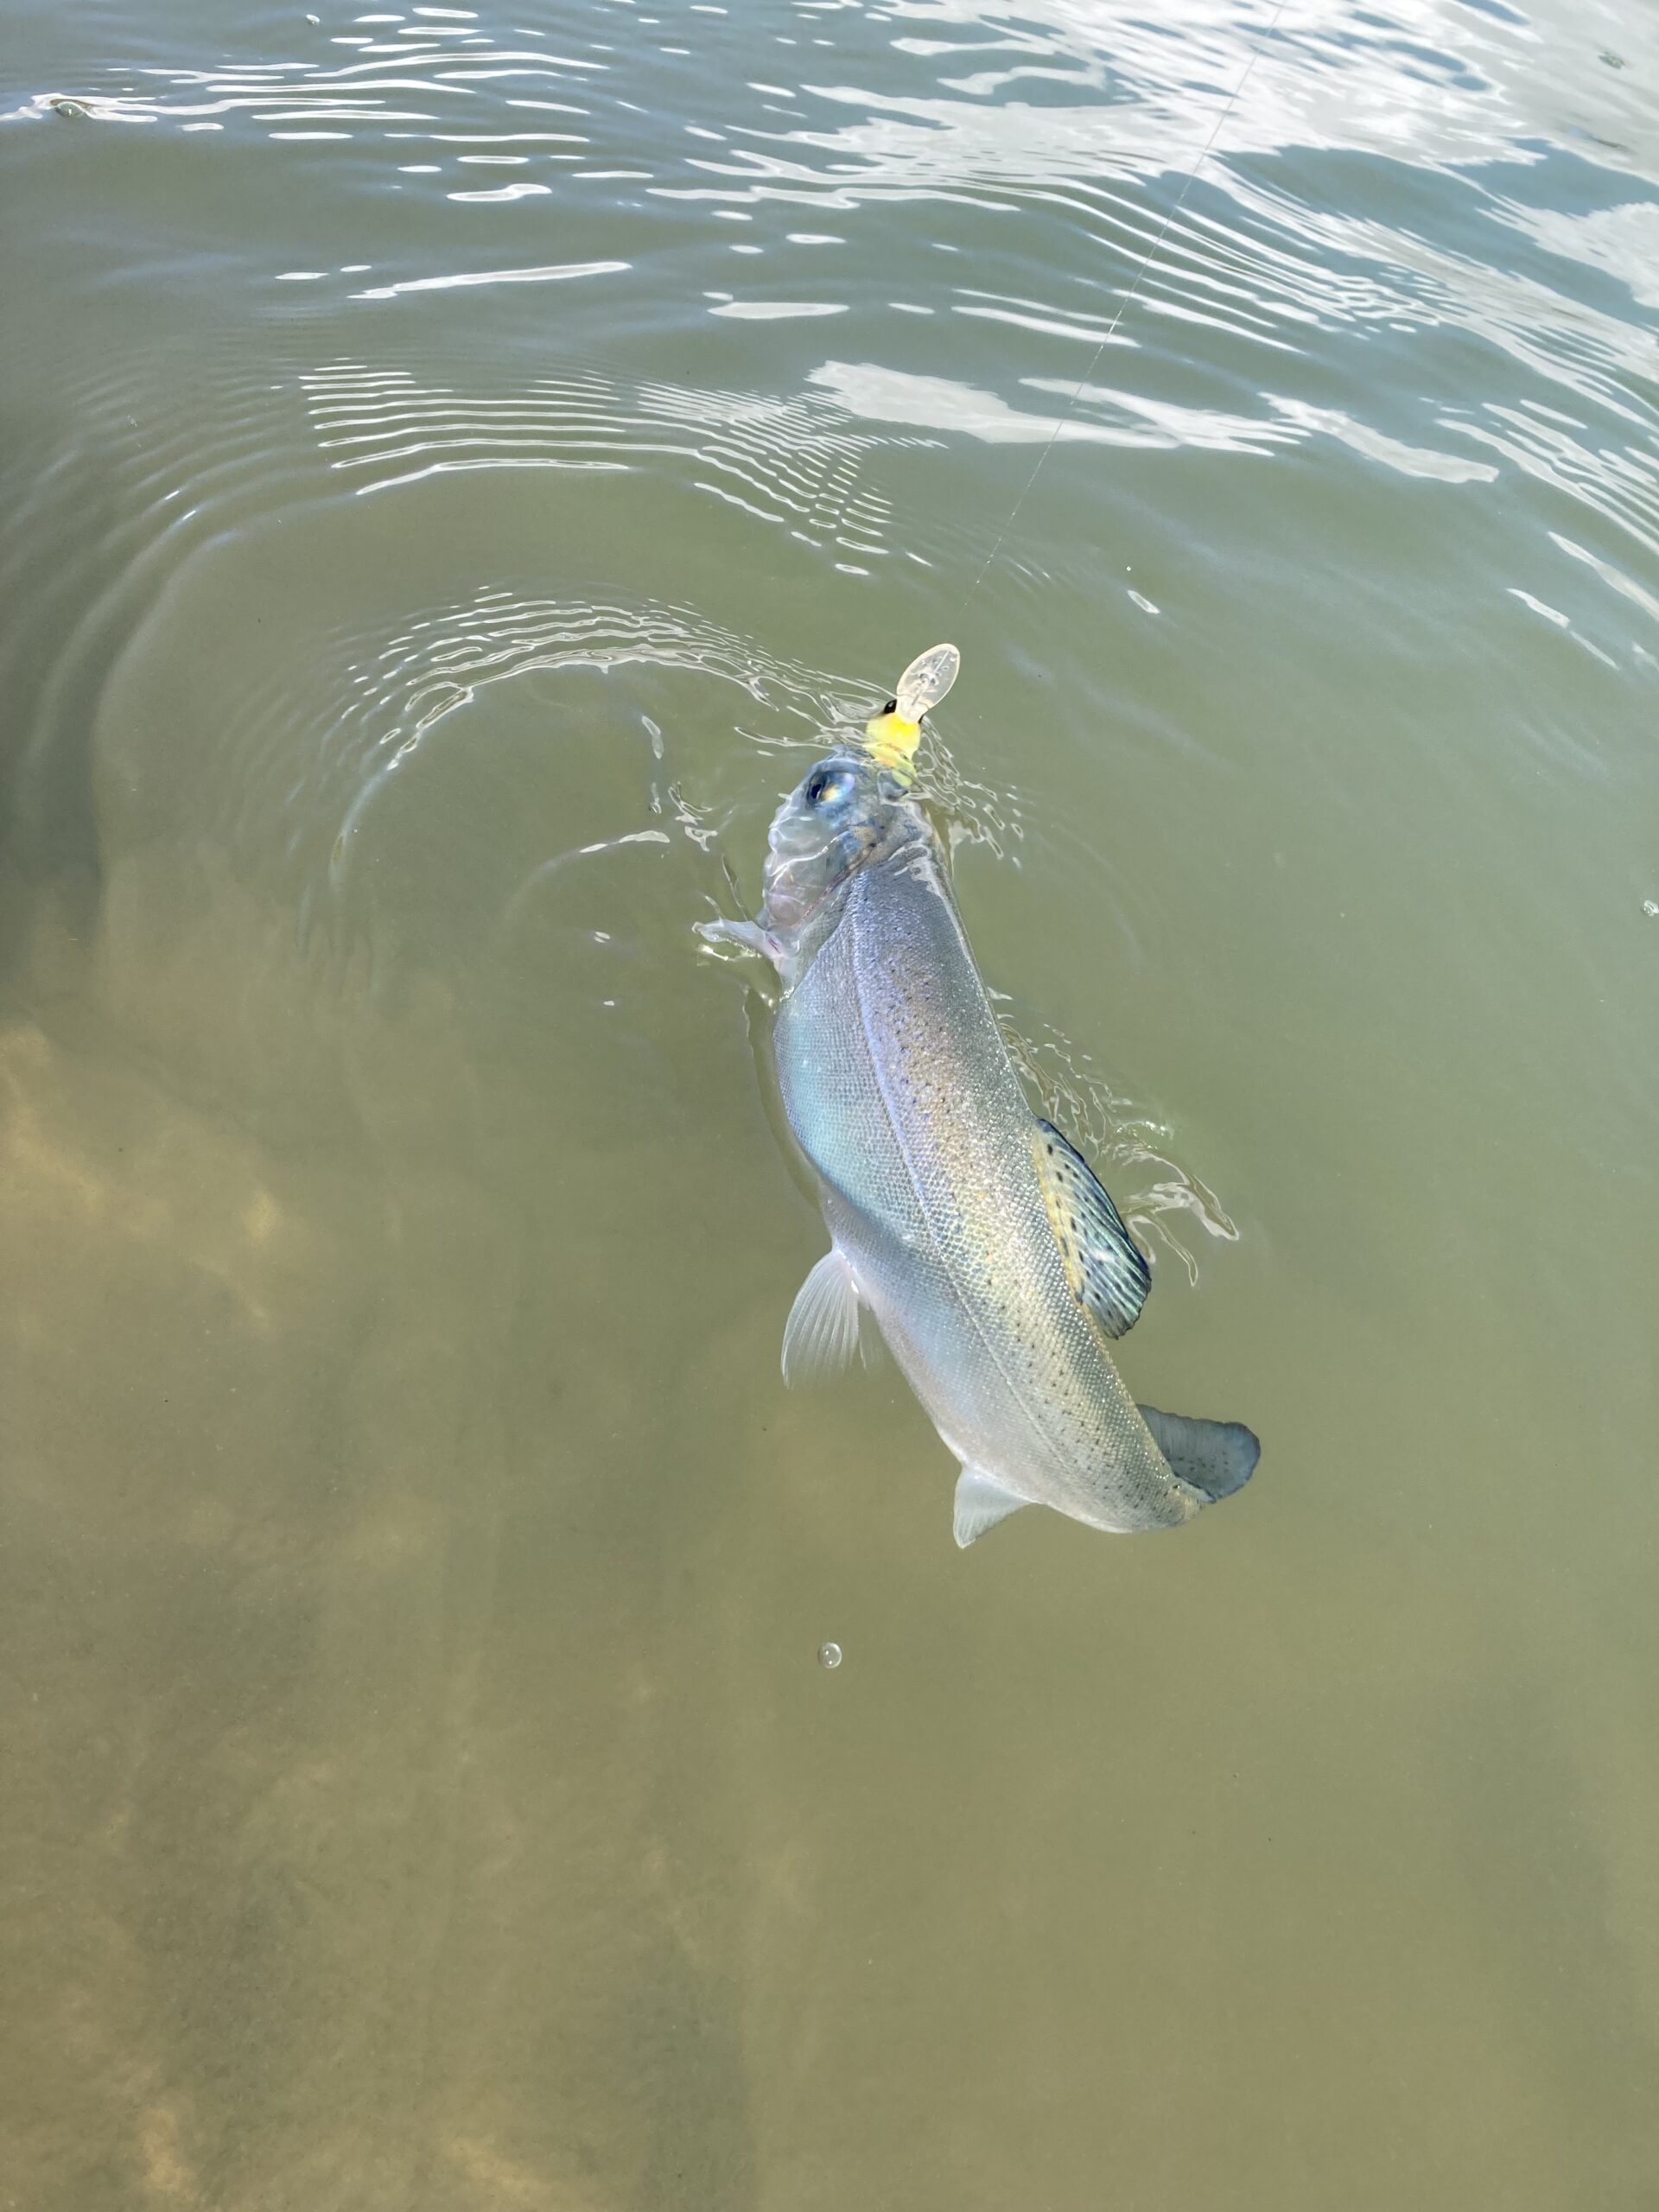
[(979, 1241)]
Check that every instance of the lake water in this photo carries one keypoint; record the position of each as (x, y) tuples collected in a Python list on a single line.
[(460, 464)]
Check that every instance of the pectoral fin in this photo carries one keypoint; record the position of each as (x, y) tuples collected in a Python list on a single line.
[(749, 936), (821, 1334), (1104, 1265), (1215, 1456), (981, 1501)]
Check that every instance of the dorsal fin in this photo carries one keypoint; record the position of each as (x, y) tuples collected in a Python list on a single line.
[(1104, 1265)]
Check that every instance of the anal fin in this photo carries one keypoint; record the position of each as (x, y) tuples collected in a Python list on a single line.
[(1215, 1456), (981, 1501)]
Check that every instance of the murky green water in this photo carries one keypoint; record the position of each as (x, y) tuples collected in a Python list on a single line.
[(458, 463)]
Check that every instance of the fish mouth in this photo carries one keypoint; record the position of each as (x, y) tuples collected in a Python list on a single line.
[(810, 852)]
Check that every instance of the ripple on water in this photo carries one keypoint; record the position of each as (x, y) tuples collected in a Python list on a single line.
[(1215, 307), (413, 647), (1097, 130), (796, 462), (171, 458)]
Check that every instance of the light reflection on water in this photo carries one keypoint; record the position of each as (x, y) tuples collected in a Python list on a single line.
[(460, 468)]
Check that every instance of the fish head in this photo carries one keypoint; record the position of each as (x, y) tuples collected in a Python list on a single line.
[(845, 812)]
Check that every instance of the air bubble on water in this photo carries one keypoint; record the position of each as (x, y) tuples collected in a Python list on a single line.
[(829, 1654), (1650, 906)]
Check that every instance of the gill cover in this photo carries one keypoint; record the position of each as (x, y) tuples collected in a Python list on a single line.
[(891, 737)]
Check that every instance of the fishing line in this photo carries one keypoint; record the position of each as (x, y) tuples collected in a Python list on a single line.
[(1146, 260)]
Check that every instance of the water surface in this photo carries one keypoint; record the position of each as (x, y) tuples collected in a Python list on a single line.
[(459, 464)]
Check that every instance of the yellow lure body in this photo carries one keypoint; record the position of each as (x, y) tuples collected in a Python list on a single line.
[(891, 742), (891, 739)]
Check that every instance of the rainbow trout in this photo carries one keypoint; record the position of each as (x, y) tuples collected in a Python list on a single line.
[(989, 1255)]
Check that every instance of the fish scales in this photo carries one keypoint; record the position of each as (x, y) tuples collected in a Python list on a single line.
[(900, 1092), (989, 1253)]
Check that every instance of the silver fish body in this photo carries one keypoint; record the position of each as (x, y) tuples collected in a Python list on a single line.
[(947, 1200)]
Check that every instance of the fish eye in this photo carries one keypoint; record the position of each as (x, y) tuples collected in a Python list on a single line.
[(828, 786)]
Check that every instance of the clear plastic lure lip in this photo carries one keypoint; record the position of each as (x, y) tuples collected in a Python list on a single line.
[(891, 738), (925, 681), (794, 879)]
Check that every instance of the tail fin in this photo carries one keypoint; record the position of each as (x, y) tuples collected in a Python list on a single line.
[(1215, 1457)]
